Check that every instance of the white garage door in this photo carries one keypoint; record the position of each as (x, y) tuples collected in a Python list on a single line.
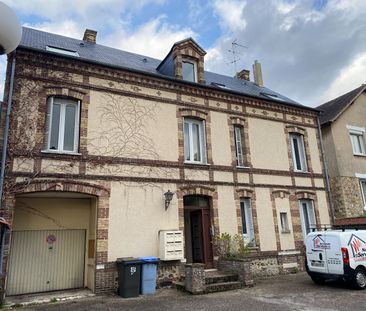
[(46, 260)]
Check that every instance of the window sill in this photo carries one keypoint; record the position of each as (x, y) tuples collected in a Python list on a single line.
[(196, 163), (360, 155), (61, 152), (242, 167), (301, 172)]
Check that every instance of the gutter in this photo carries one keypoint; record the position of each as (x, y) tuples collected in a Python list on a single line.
[(160, 76), (329, 192), (6, 129)]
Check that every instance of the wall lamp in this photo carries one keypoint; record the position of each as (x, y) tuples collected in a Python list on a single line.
[(168, 197)]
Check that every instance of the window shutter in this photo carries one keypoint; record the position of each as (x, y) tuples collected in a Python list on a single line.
[(48, 123)]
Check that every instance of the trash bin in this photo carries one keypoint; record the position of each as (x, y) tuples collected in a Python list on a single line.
[(129, 274), (148, 275)]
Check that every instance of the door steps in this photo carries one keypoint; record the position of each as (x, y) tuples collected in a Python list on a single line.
[(216, 281)]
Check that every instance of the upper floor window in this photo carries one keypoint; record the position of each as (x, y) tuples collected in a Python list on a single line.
[(247, 222), (194, 141), (189, 70), (239, 150), (63, 125), (356, 135), (298, 152), (307, 216)]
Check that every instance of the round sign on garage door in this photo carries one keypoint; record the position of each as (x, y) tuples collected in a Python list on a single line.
[(51, 238)]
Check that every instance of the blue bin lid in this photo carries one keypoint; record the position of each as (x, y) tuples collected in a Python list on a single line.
[(149, 259)]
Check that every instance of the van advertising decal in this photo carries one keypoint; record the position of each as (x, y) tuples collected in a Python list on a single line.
[(358, 247), (319, 243)]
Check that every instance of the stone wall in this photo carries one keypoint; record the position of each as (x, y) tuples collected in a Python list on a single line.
[(347, 197)]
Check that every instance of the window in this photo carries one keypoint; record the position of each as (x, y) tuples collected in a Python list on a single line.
[(356, 135), (363, 191), (247, 222), (284, 223), (307, 216), (298, 152), (238, 136), (63, 125), (61, 51), (194, 141), (189, 70)]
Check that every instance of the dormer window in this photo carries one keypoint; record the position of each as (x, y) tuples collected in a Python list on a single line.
[(189, 70)]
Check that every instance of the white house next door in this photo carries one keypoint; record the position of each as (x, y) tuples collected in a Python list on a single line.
[(46, 260)]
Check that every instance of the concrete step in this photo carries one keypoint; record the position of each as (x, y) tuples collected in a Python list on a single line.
[(220, 277), (220, 287), (180, 285)]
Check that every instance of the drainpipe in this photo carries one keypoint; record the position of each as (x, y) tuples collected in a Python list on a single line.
[(6, 129), (326, 174)]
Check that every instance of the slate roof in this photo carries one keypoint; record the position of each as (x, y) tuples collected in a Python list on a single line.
[(334, 108), (96, 53)]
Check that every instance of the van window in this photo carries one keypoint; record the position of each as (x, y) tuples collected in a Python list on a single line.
[(307, 216)]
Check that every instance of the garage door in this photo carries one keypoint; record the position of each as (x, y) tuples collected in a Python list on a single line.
[(46, 260)]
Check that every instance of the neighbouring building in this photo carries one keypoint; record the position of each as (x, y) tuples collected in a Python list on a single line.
[(99, 135), (343, 124)]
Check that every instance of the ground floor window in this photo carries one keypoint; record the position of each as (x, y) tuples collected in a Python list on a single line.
[(307, 216), (247, 222), (363, 191)]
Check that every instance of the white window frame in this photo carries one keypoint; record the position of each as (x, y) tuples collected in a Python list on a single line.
[(357, 132), (307, 218), (202, 140), (61, 131), (239, 148), (247, 220), (301, 150), (194, 63), (363, 180), (284, 222)]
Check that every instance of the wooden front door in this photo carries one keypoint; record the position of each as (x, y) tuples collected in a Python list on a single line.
[(198, 234)]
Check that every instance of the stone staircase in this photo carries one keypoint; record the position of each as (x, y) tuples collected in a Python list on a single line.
[(216, 281)]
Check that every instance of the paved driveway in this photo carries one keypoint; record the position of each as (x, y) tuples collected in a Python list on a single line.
[(292, 292)]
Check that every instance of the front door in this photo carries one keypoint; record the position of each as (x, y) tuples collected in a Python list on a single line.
[(198, 240)]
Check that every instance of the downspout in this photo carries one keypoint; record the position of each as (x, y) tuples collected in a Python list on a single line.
[(329, 192), (7, 125)]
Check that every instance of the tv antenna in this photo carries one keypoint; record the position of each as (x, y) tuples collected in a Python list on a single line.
[(234, 46)]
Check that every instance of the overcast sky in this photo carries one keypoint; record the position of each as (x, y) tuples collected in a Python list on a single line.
[(310, 50)]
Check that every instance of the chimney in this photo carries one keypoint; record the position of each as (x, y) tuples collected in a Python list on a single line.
[(257, 70), (244, 75), (90, 36)]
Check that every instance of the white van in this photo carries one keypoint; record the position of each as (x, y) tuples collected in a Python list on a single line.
[(337, 254)]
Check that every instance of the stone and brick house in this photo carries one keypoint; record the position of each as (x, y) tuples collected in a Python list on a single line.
[(99, 135), (343, 128)]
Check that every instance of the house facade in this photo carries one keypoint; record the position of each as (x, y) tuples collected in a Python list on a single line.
[(98, 136), (343, 129)]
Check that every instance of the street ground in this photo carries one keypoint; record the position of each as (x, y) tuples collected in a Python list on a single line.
[(294, 292)]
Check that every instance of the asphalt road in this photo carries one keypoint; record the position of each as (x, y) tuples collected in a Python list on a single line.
[(294, 292)]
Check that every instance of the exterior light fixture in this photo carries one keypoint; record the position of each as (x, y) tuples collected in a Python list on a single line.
[(10, 30), (168, 197)]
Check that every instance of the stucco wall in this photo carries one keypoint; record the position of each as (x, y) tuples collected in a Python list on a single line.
[(287, 238), (265, 220), (220, 138), (129, 127), (228, 220), (267, 139), (136, 215)]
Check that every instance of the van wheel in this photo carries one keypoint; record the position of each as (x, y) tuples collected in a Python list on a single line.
[(359, 279), (318, 280)]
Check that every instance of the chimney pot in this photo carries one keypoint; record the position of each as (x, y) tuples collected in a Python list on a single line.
[(244, 75), (257, 71), (90, 36)]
